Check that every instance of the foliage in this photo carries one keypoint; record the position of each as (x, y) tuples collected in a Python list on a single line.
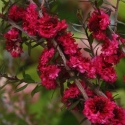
[(38, 51)]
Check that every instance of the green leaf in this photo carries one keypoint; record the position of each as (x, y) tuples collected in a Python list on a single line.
[(75, 24), (73, 105), (79, 31), (5, 5), (21, 88), (90, 39), (4, 2), (108, 3), (61, 89), (2, 68), (79, 15), (54, 8), (72, 79), (82, 120), (99, 3), (87, 50), (23, 72), (122, 1), (36, 89), (120, 22), (3, 86), (28, 79)]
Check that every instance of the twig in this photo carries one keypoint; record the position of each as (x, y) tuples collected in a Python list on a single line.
[(96, 90), (31, 1), (21, 29), (116, 15), (79, 85), (91, 47), (42, 3)]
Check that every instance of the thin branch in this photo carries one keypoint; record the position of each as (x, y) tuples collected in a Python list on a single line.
[(31, 1), (21, 29), (91, 47), (84, 43), (96, 90), (78, 84), (42, 3), (116, 15)]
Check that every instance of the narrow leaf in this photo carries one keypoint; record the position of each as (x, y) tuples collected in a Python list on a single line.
[(79, 14), (29, 49), (2, 68), (3, 86), (21, 88), (120, 22), (77, 30), (87, 50), (36, 89), (123, 1), (82, 120), (54, 8), (61, 89), (28, 79), (75, 24), (73, 105), (90, 39), (99, 3)]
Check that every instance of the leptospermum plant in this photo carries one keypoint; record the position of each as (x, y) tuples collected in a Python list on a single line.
[(62, 64)]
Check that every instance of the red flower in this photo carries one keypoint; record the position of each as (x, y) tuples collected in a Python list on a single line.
[(12, 34), (111, 51), (48, 76), (48, 83), (99, 110), (99, 35), (119, 116), (97, 24), (49, 26), (68, 42), (83, 65), (105, 70), (16, 13), (109, 95), (46, 56), (48, 73), (70, 93), (13, 42), (110, 47), (30, 19), (16, 52)]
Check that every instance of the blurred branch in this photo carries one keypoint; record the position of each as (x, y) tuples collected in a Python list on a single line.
[(116, 15), (78, 84), (21, 29)]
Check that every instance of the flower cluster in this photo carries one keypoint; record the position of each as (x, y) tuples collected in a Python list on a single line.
[(48, 73), (98, 23), (30, 20), (105, 70), (16, 13), (111, 51), (100, 67), (13, 42), (72, 93), (100, 110), (68, 43), (49, 26)]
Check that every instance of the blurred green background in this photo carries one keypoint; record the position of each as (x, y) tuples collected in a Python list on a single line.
[(45, 108)]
